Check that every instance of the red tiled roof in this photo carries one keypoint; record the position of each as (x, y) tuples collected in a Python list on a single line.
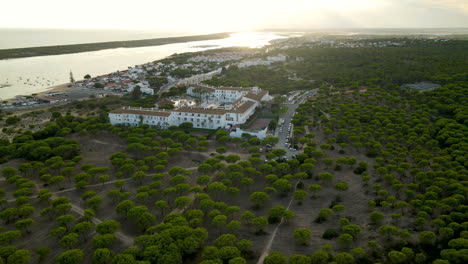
[(165, 101), (141, 112), (256, 96), (244, 107), (216, 111), (234, 127), (210, 111), (237, 101), (204, 87), (260, 123)]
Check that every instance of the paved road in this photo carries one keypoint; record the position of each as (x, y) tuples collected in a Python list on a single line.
[(281, 144), (284, 134), (167, 87), (73, 94)]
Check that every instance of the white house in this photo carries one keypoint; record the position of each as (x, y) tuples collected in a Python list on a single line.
[(137, 116), (149, 91), (253, 62), (211, 118), (237, 132), (228, 94), (279, 57), (144, 88), (199, 77), (242, 105)]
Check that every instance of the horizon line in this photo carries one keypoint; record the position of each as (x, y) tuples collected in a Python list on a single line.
[(239, 30)]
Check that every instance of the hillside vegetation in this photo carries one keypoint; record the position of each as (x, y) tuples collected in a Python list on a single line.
[(379, 176)]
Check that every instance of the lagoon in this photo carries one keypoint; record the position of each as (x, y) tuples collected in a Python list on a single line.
[(26, 76)]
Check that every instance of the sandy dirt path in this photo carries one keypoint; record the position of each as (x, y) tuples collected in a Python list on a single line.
[(190, 195), (267, 248), (126, 240), (106, 143)]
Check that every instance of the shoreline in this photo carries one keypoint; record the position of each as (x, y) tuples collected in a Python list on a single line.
[(18, 103), (82, 65), (73, 93), (61, 88), (54, 89), (87, 47)]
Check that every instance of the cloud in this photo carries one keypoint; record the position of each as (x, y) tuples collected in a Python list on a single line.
[(379, 14), (460, 5), (228, 15)]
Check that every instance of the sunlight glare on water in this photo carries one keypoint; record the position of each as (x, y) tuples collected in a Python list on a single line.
[(25, 76)]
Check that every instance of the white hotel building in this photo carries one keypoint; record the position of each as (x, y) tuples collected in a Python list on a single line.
[(239, 105)]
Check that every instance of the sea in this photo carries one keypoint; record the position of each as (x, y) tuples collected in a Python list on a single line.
[(25, 76)]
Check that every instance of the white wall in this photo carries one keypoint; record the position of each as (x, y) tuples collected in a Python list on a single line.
[(135, 120), (238, 133)]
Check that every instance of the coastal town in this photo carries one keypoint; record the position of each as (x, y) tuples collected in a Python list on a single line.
[(309, 150), (149, 78), (204, 106), (159, 76)]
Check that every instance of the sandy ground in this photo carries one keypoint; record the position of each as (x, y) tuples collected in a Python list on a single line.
[(53, 89), (63, 88), (72, 94), (58, 89), (97, 148)]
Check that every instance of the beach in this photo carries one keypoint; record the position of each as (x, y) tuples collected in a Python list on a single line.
[(62, 88), (63, 93), (58, 89), (52, 71)]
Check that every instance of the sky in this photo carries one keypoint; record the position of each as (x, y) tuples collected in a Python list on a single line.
[(232, 15)]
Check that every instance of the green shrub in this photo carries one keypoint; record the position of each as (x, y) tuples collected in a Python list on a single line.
[(330, 234)]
